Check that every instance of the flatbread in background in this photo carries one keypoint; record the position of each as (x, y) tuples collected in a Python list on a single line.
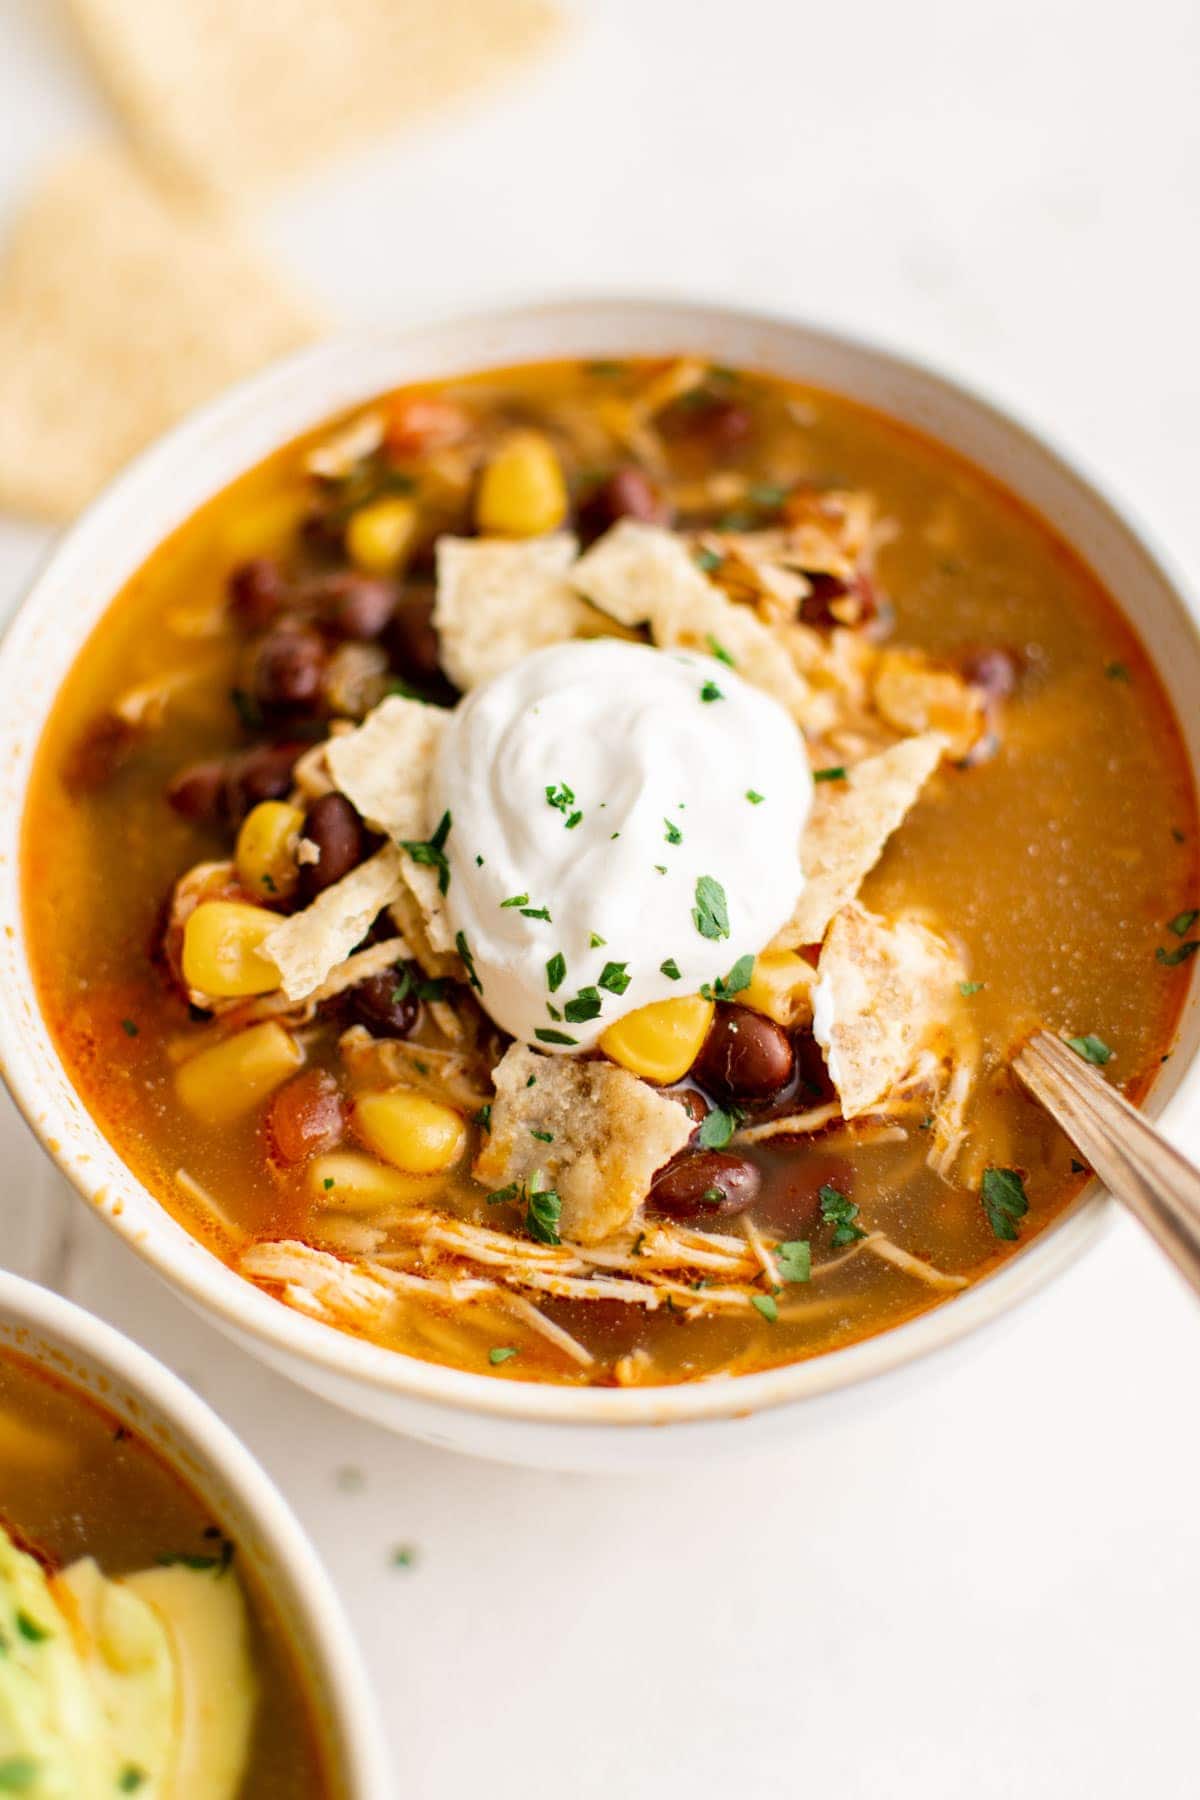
[(243, 95), (120, 310)]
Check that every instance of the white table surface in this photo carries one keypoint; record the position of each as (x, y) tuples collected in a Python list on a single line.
[(992, 1587)]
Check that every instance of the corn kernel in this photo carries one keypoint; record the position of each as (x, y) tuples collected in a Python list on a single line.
[(357, 1183), (522, 491), (230, 1078), (411, 1132), (660, 1042), (222, 950), (781, 987), (379, 536), (266, 849)]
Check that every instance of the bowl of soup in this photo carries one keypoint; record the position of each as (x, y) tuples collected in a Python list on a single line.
[(166, 1627), (529, 847)]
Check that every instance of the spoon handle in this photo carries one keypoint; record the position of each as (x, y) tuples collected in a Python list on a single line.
[(1131, 1158)]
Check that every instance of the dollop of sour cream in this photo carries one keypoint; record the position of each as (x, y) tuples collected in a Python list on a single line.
[(626, 825)]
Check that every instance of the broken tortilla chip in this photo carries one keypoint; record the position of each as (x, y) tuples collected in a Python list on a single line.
[(499, 600), (644, 574), (885, 991), (120, 310), (915, 694), (384, 767), (306, 946), (242, 98), (606, 1135), (850, 823)]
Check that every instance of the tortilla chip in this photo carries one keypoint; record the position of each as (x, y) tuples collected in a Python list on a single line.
[(884, 991), (384, 767), (850, 823), (307, 946), (644, 574), (609, 1135), (915, 694), (409, 917), (119, 312), (497, 601), (244, 97)]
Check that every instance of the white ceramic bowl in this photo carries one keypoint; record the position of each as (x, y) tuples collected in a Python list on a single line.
[(97, 1361), (557, 1427)]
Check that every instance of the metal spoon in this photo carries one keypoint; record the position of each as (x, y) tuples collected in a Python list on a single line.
[(1158, 1185)]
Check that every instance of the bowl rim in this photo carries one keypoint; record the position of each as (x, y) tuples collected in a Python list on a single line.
[(331, 1649), (246, 1310)]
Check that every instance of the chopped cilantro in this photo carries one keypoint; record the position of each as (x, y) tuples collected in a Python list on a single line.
[(614, 977), (710, 691), (30, 1630), (464, 950), (595, 941), (670, 969), (543, 1137), (712, 1196), (556, 971), (967, 988), (726, 986), (755, 798), (720, 652), (586, 1005), (129, 1028), (1171, 958), (1092, 1049), (660, 868), (131, 1779), (17, 1774), (718, 1126), (545, 1036), (537, 912), (1004, 1201), (542, 1216), (403, 1556), (838, 1211), (1117, 671), (502, 1196), (794, 1259), (836, 772), (553, 1011), (604, 369), (1182, 923), (768, 493), (708, 560), (483, 1117), (432, 854), (530, 1082), (500, 1353), (573, 821), (767, 1305), (515, 900), (711, 912), (674, 835), (327, 1183)]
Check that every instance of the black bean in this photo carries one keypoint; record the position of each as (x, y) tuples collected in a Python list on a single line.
[(720, 422), (332, 824), (264, 773), (745, 1056), (256, 593), (628, 493), (287, 670), (412, 640), (386, 1004), (353, 606), (694, 1104), (198, 791), (699, 1184)]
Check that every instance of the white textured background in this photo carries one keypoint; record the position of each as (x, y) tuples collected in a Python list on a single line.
[(992, 1588)]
